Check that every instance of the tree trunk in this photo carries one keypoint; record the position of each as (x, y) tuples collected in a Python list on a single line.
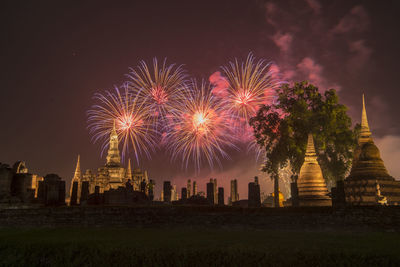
[(276, 191)]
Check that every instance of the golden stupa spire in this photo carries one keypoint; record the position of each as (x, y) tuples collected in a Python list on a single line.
[(113, 157), (78, 174), (129, 170), (310, 150), (365, 133)]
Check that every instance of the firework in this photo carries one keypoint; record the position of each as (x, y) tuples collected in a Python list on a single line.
[(200, 128), (159, 86), (131, 118), (250, 85)]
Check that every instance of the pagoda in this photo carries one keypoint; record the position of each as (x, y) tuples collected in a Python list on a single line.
[(311, 183), (369, 172), (110, 176)]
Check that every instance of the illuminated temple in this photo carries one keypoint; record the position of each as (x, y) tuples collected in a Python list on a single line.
[(312, 190), (369, 182), (112, 175)]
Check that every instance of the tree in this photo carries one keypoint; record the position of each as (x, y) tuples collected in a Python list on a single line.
[(282, 129)]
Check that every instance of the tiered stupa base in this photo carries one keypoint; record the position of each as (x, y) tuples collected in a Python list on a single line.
[(315, 202), (362, 192)]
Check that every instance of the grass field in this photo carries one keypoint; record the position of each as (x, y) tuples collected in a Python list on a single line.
[(195, 247)]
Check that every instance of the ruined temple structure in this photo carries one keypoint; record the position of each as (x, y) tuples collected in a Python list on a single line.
[(254, 198), (111, 176), (17, 184), (369, 173), (312, 190), (234, 192)]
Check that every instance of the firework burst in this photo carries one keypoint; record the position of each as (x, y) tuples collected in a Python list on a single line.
[(200, 128), (131, 118), (250, 85), (159, 87)]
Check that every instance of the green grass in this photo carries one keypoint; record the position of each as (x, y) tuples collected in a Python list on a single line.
[(195, 247)]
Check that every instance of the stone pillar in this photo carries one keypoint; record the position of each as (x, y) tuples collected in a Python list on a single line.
[(215, 191), (151, 189), (52, 185), (97, 198), (129, 186), (234, 191), (84, 192), (167, 191), (184, 193), (254, 195), (221, 201), (295, 194), (40, 194), (143, 187), (6, 176), (188, 189), (61, 192), (74, 194), (20, 185), (194, 188), (210, 193)]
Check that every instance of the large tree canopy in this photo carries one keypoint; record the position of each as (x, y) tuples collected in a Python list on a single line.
[(282, 129)]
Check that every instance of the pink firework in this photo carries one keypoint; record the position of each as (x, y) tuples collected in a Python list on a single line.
[(158, 86)]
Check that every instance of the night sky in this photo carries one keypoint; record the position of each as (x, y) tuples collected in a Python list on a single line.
[(56, 55)]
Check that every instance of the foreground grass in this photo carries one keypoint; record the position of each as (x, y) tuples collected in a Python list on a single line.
[(195, 247)]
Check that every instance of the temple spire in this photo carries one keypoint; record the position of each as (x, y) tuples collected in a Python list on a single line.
[(78, 174), (365, 133), (113, 157), (310, 150), (129, 171)]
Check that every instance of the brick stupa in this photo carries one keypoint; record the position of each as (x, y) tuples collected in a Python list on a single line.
[(311, 183), (369, 172)]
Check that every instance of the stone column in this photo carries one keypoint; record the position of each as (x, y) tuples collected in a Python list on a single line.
[(184, 193), (194, 188), (74, 194), (167, 191), (143, 187), (97, 197), (234, 191), (151, 189), (295, 194), (215, 191), (84, 192), (210, 193), (188, 189), (254, 195), (6, 176), (221, 201), (61, 192)]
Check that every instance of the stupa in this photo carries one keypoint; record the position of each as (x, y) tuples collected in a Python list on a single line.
[(311, 183), (367, 171)]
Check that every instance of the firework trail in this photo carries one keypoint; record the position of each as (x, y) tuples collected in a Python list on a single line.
[(159, 87), (131, 118), (200, 128), (250, 84)]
